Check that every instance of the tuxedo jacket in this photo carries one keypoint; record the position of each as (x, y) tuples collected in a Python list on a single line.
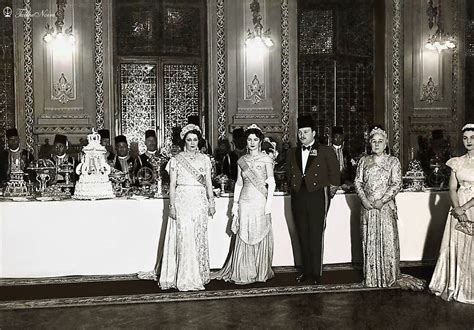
[(5, 165), (322, 168)]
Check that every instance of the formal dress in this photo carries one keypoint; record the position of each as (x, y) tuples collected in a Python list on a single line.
[(251, 256), (310, 173), (453, 278), (185, 262), (380, 178)]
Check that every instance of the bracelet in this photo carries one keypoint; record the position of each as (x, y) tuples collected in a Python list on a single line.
[(212, 203)]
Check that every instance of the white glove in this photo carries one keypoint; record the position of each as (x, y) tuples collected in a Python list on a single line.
[(235, 209), (271, 185)]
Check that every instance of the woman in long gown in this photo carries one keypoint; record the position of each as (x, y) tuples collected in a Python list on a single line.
[(251, 256), (185, 263), (453, 278), (378, 180)]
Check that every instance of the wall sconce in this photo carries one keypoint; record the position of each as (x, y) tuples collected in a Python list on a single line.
[(440, 40), (59, 37), (258, 38)]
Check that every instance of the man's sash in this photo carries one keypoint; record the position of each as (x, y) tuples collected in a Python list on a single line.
[(196, 175), (253, 177)]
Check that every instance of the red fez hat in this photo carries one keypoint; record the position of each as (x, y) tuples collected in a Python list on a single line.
[(305, 121), (11, 132), (104, 133), (149, 133), (58, 138), (120, 138)]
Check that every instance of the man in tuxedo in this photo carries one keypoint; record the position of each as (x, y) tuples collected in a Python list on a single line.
[(311, 170), (13, 158)]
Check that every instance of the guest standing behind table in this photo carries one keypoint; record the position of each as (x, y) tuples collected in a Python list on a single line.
[(13, 158), (60, 158), (105, 142), (378, 180), (123, 162), (251, 256), (453, 277), (311, 170), (185, 262)]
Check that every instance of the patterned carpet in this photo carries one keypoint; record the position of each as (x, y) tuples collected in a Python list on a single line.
[(128, 289)]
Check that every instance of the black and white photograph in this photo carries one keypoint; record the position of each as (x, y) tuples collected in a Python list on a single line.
[(237, 164)]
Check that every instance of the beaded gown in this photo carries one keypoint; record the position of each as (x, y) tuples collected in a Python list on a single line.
[(453, 278), (381, 178), (185, 263), (251, 257)]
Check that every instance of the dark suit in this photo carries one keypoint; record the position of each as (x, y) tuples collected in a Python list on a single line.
[(5, 166), (310, 201), (133, 167)]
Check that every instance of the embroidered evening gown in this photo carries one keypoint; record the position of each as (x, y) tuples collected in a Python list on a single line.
[(251, 256), (381, 179), (185, 263), (453, 278)]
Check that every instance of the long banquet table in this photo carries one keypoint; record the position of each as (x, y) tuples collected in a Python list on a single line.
[(123, 236)]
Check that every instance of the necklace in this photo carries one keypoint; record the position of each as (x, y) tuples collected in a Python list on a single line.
[(191, 155)]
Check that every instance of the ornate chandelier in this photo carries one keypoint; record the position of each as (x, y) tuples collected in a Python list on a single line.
[(440, 40), (258, 38), (57, 36)]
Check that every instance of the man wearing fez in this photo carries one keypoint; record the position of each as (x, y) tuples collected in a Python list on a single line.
[(123, 162), (345, 166), (105, 142), (311, 170), (60, 158), (13, 158)]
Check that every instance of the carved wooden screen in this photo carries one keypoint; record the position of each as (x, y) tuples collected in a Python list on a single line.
[(7, 94), (181, 95), (335, 66), (138, 100)]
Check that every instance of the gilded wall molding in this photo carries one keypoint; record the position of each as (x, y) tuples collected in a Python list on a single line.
[(429, 92), (285, 71), (397, 53), (455, 62), (99, 64), (28, 75), (221, 71), (62, 129), (255, 90), (63, 90)]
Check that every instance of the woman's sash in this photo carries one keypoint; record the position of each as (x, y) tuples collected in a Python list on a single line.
[(191, 169), (253, 177)]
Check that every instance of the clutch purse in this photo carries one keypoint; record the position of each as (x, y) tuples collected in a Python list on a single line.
[(466, 227)]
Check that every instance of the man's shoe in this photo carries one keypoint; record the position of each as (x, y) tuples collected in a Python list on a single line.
[(317, 281), (300, 278)]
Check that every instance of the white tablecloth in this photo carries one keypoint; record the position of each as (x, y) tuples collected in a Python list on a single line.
[(40, 239)]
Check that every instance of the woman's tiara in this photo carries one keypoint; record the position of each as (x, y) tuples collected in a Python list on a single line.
[(253, 126), (378, 130), (188, 128), (467, 126)]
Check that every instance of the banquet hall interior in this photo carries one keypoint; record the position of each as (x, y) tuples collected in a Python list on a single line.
[(73, 68)]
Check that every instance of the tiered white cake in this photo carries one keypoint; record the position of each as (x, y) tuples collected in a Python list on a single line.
[(93, 172)]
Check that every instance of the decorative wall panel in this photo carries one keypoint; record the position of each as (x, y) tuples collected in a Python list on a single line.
[(7, 95), (285, 71), (99, 64), (181, 30), (138, 100), (180, 95), (335, 67), (28, 75), (316, 34)]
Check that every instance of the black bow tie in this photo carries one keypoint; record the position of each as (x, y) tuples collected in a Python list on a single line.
[(306, 148)]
